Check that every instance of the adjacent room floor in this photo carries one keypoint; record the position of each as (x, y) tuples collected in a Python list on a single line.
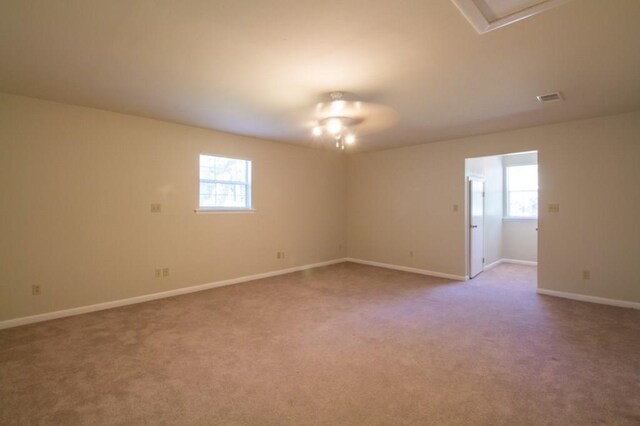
[(341, 345)]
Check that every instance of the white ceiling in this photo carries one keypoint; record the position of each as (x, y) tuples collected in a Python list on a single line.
[(257, 67)]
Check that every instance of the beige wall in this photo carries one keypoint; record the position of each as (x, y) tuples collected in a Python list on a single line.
[(76, 184), (402, 199), (520, 240), (75, 189)]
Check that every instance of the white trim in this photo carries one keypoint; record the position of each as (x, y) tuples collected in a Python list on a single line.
[(520, 262), (591, 299), (492, 265), (482, 25), (221, 210), (408, 269), (154, 296), (514, 261)]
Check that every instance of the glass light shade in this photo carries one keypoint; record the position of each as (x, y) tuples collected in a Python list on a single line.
[(334, 126), (338, 105)]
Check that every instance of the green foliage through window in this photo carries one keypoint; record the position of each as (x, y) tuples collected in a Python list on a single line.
[(522, 191), (225, 183)]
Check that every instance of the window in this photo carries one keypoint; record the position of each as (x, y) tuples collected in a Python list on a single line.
[(522, 191), (225, 183)]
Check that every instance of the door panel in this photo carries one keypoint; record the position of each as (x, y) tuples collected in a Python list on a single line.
[(476, 226)]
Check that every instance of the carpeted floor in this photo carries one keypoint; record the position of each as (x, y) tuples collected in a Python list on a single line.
[(342, 345)]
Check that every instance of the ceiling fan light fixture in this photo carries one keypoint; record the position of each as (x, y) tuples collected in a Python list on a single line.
[(340, 116), (350, 139), (338, 106), (334, 126)]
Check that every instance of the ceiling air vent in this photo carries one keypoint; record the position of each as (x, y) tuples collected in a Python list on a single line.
[(550, 97)]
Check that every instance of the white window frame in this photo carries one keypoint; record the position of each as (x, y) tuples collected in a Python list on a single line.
[(248, 183), (507, 193)]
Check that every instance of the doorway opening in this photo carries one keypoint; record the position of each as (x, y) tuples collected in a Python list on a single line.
[(501, 194)]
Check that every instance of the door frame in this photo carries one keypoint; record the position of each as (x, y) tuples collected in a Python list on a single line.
[(465, 218)]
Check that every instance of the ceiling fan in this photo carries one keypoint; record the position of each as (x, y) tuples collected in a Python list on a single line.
[(342, 117)]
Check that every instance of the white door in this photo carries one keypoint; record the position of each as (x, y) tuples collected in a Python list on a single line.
[(476, 226)]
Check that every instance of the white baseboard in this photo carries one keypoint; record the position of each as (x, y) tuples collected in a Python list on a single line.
[(592, 299), (408, 269), (154, 296), (492, 265), (514, 261), (520, 262)]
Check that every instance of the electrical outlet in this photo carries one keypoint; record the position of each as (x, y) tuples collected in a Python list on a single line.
[(156, 207), (35, 290), (554, 208), (165, 272), (158, 273), (586, 275)]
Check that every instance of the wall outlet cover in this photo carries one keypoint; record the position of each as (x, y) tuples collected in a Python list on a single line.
[(554, 208)]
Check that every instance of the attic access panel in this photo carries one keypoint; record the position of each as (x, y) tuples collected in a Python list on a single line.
[(488, 15)]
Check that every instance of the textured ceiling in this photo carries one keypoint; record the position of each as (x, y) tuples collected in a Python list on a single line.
[(257, 67)]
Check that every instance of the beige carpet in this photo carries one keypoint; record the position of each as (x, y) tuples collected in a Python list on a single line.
[(341, 345)]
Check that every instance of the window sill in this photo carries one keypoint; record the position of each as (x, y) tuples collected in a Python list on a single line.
[(519, 219), (223, 211)]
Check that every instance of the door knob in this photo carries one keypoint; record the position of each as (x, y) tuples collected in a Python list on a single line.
[(474, 226)]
